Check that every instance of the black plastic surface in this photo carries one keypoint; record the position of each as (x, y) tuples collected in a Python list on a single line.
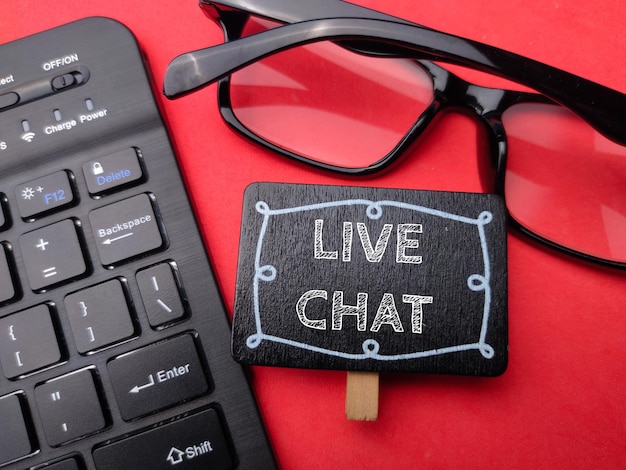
[(80, 95)]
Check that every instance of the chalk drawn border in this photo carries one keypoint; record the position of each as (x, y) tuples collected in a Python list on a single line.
[(374, 210)]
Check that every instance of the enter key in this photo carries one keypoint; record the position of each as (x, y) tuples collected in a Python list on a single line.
[(158, 376)]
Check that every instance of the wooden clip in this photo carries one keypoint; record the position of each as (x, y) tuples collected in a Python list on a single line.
[(362, 396)]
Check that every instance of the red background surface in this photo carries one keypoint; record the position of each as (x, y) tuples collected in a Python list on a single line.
[(561, 402)]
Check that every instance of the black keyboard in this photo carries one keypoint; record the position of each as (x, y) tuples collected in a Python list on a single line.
[(114, 344)]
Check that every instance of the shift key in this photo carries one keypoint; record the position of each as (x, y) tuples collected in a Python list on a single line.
[(195, 442), (158, 376)]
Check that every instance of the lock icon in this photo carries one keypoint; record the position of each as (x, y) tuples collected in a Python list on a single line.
[(97, 169)]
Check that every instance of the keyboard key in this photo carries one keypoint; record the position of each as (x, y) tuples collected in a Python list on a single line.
[(8, 289), (112, 172), (161, 294), (67, 464), (28, 341), (53, 254), (99, 315), (69, 407), (193, 442), (44, 194), (4, 218), (157, 377), (126, 229), (15, 441)]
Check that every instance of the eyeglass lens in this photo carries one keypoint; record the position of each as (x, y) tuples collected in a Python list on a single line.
[(564, 181), (330, 105)]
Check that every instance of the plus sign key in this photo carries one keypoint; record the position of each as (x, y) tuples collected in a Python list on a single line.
[(53, 254)]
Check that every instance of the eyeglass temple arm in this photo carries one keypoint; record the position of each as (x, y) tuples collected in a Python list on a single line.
[(295, 11), (601, 107)]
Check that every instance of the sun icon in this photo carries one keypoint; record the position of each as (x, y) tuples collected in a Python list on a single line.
[(28, 193)]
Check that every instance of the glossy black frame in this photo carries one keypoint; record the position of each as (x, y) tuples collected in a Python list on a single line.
[(373, 33)]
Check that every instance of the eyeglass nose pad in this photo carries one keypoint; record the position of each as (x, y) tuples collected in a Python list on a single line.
[(492, 152)]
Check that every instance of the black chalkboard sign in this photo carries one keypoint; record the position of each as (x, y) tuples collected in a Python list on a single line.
[(371, 279)]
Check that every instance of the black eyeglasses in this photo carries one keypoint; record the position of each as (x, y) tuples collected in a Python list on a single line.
[(351, 92)]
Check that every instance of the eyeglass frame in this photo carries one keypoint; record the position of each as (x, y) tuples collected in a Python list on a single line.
[(358, 29)]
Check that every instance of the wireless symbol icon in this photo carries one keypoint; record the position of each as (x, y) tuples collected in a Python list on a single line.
[(28, 136)]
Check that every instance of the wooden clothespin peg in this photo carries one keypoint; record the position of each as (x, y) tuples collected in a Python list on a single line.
[(362, 396)]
